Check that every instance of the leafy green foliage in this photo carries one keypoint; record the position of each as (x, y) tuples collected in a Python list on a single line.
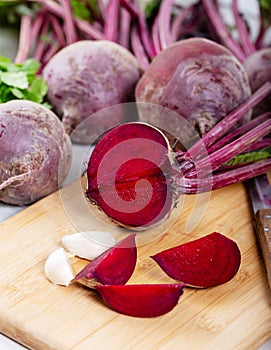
[(84, 9), (265, 7), (20, 81), (250, 157), (152, 7)]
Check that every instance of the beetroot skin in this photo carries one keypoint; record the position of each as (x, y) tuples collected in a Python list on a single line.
[(35, 152), (197, 78), (206, 262), (86, 77)]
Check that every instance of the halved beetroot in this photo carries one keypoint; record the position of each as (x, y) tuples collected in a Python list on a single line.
[(115, 266), (205, 262), (142, 300), (129, 175)]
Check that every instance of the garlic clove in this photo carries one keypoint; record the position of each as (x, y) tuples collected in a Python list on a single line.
[(88, 245), (58, 269)]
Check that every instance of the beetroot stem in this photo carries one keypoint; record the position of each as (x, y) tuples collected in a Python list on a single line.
[(57, 30), (68, 22), (142, 25), (111, 30), (221, 29), (24, 42), (240, 131), (40, 47), (138, 48), (240, 145), (125, 23), (37, 25), (155, 38), (244, 37), (225, 125), (228, 177), (177, 27), (82, 25), (164, 17)]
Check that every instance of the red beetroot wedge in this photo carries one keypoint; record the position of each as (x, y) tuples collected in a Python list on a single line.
[(206, 262), (128, 175), (142, 300), (115, 266)]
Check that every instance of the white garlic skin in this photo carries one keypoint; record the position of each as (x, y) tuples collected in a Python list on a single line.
[(88, 245), (58, 269)]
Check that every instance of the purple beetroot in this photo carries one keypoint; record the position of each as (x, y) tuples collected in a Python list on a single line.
[(35, 152), (199, 79), (86, 77)]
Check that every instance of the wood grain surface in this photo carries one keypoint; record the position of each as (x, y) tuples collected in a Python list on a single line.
[(236, 315)]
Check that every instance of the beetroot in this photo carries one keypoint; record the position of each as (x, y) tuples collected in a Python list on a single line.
[(199, 79), (142, 300), (205, 262), (35, 152), (129, 175), (136, 178), (258, 68), (115, 266), (86, 77)]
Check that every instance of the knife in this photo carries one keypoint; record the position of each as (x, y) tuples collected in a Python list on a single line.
[(259, 190)]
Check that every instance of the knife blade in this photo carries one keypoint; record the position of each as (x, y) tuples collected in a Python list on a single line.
[(259, 190)]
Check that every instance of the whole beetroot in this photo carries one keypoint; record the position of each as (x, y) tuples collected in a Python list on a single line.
[(86, 77), (258, 68), (199, 79), (35, 152)]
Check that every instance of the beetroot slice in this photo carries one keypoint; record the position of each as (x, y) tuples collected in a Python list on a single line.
[(206, 262), (142, 300), (115, 266), (129, 175)]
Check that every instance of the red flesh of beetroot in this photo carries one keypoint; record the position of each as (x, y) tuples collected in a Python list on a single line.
[(128, 175), (206, 262), (142, 300), (115, 266)]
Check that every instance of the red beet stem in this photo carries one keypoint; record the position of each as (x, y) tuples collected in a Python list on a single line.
[(241, 26), (221, 29), (24, 43), (238, 146), (239, 131), (221, 128), (225, 178)]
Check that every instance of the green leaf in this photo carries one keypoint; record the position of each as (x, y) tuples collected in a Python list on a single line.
[(84, 9), (20, 81), (17, 93), (30, 66), (250, 157), (15, 79), (37, 90), (5, 63)]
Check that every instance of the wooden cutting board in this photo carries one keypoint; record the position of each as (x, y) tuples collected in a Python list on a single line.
[(236, 315)]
